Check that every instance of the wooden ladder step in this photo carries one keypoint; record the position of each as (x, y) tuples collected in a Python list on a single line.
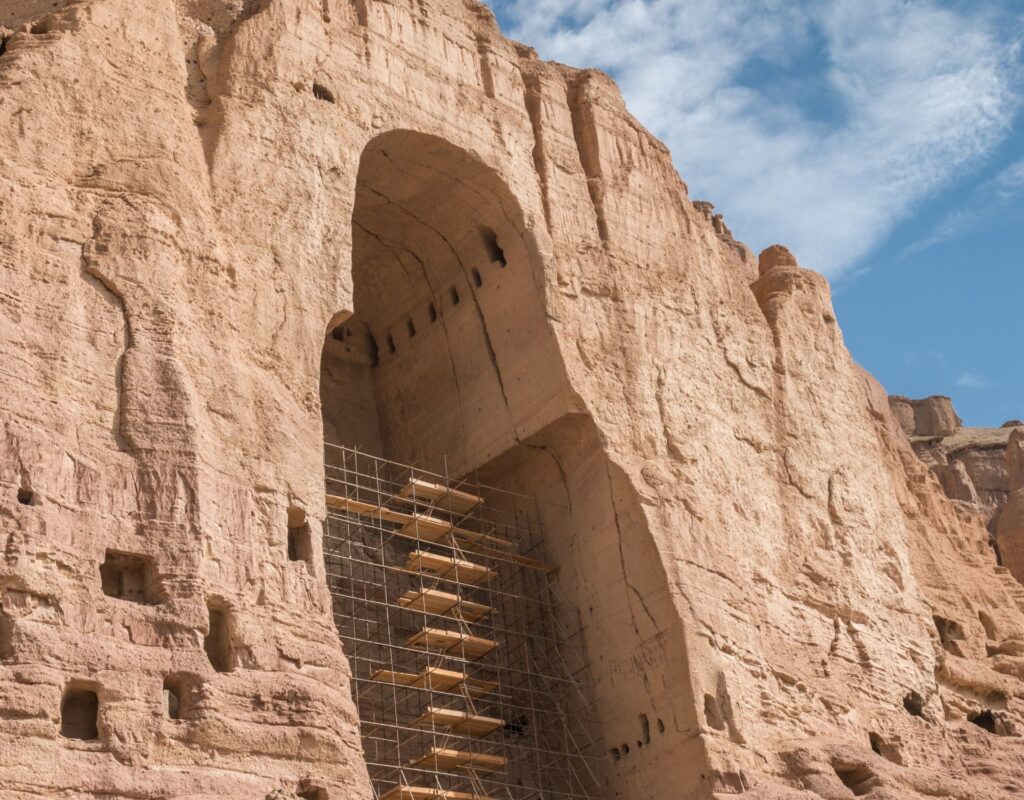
[(443, 759), (423, 527), (452, 643), (448, 567), (428, 793), (426, 527), (442, 497), (432, 601), (414, 526), (459, 722), (436, 679)]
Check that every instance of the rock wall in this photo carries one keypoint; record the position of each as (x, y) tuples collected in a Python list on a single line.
[(768, 574), (932, 416), (970, 463), (1010, 526)]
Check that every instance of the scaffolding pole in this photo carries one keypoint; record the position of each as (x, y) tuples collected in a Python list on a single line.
[(467, 670)]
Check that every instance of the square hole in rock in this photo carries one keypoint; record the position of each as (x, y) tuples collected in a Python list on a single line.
[(79, 710), (180, 693), (300, 538), (217, 642), (128, 576)]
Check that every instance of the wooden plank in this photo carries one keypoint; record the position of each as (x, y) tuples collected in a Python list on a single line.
[(433, 601), (423, 527), (455, 569), (364, 509), (475, 537), (428, 793), (414, 526), (389, 676), (436, 679), (439, 680), (426, 527), (447, 680), (452, 642), (525, 561), (442, 497), (458, 722), (475, 687), (443, 759)]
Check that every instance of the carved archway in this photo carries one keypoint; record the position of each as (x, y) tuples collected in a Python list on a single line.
[(449, 362)]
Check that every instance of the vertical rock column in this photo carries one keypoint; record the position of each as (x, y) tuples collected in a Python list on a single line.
[(1010, 531)]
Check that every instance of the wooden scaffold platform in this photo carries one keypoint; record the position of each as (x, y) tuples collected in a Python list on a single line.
[(465, 678)]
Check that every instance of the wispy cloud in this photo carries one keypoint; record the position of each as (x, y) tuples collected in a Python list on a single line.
[(1010, 182), (968, 380), (990, 200), (817, 124)]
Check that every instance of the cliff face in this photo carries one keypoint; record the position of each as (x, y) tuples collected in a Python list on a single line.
[(1010, 524), (195, 193), (975, 466)]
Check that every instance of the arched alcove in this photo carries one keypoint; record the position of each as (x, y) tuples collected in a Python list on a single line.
[(448, 352), (448, 362)]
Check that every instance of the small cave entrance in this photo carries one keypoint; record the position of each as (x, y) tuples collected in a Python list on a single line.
[(218, 639), (180, 692), (300, 537), (913, 702), (79, 712), (951, 634), (128, 576), (172, 699), (858, 778), (309, 790)]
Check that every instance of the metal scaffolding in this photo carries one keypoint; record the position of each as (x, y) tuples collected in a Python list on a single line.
[(467, 669)]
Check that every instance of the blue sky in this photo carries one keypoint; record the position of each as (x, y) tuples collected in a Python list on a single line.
[(881, 140)]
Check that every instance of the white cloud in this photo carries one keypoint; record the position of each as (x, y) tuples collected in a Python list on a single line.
[(990, 200), (1010, 181), (915, 94), (968, 380)]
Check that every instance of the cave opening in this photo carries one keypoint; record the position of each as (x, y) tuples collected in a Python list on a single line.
[(79, 712), (444, 274), (447, 361), (217, 641)]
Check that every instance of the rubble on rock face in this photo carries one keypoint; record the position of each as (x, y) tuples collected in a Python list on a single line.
[(778, 598)]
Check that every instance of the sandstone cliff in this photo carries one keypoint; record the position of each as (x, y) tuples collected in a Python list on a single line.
[(196, 193), (972, 464), (1010, 524)]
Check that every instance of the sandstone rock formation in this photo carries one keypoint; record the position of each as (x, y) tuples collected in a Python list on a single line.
[(198, 194), (970, 463), (932, 416), (1010, 526)]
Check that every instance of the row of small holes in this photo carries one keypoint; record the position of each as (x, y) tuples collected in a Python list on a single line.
[(623, 750), (432, 315), (494, 252)]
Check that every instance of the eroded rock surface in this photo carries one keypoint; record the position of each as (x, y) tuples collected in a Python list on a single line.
[(195, 193), (932, 416), (1010, 525), (970, 463)]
